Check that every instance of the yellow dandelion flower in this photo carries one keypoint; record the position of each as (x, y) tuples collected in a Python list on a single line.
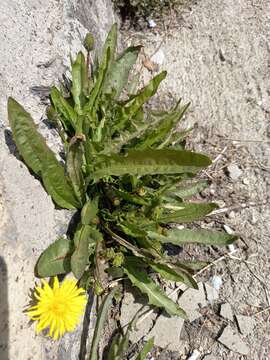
[(58, 308)]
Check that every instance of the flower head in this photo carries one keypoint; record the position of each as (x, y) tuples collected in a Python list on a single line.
[(58, 308)]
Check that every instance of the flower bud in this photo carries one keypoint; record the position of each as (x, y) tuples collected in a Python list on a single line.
[(89, 42)]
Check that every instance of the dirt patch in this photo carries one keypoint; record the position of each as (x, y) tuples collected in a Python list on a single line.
[(217, 57)]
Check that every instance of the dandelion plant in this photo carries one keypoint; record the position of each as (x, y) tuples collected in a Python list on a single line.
[(125, 170)]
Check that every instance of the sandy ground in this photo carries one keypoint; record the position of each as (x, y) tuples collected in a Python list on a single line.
[(217, 56)]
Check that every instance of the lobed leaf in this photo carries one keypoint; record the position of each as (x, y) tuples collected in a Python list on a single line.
[(155, 294), (187, 236), (187, 190), (151, 161), (174, 273), (39, 157), (186, 213), (162, 130)]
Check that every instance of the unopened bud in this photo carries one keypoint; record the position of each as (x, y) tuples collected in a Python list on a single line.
[(141, 191), (116, 202), (89, 42)]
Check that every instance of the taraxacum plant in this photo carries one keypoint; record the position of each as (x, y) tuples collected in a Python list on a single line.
[(125, 170)]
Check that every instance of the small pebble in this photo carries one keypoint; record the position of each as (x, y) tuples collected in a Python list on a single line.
[(216, 282), (231, 247), (234, 171), (228, 230), (195, 355), (152, 23)]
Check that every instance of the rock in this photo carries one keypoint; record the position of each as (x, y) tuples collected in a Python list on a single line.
[(159, 57), (36, 39), (246, 324), (234, 171), (216, 282), (245, 181), (191, 301), (226, 311), (232, 341), (195, 355), (231, 248), (131, 304), (167, 332), (211, 293), (228, 230)]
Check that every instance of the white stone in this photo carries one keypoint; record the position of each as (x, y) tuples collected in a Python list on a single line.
[(216, 282), (234, 171), (226, 311), (131, 304), (158, 57), (167, 332), (246, 324), (211, 293), (232, 341), (195, 355), (192, 300)]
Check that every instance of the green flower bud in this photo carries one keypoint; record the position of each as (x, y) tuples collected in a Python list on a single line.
[(118, 260), (89, 42)]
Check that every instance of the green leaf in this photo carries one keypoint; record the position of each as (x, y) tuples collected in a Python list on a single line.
[(133, 106), (192, 265), (187, 236), (172, 273), (39, 157), (68, 115), (162, 130), (118, 75), (133, 83), (155, 294), (89, 211), (186, 213), (150, 161), (57, 184), (79, 82), (100, 323), (74, 169), (145, 350), (110, 43), (55, 259), (96, 90), (29, 141), (80, 256), (187, 190)]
